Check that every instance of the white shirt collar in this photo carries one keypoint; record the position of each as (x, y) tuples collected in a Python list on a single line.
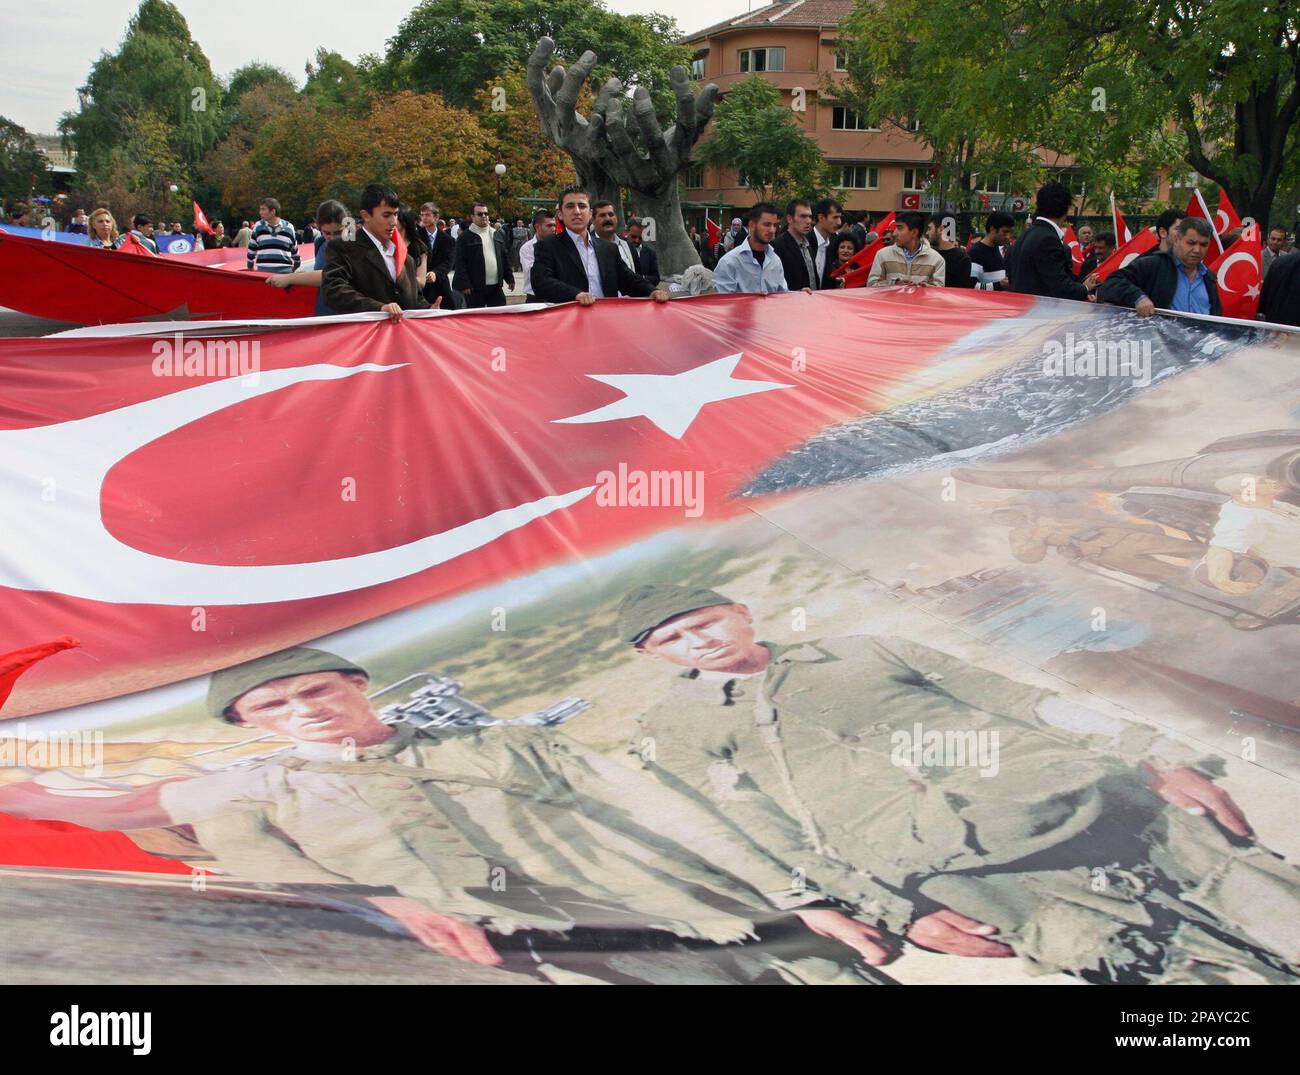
[(388, 249), (1060, 231)]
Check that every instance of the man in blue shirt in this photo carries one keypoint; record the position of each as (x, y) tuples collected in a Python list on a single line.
[(752, 265), (1176, 279)]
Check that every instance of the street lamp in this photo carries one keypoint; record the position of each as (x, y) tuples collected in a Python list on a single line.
[(500, 170)]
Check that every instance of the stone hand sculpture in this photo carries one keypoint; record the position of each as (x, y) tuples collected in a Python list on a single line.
[(606, 156)]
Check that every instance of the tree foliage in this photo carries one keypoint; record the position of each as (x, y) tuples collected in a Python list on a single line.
[(1123, 86), (159, 70), (756, 134), (535, 167), (454, 47), (22, 164)]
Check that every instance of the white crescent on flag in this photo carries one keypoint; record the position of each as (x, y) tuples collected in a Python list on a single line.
[(64, 547), (1228, 262)]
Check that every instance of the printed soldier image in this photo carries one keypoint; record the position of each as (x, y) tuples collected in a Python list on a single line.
[(575, 866), (1090, 848)]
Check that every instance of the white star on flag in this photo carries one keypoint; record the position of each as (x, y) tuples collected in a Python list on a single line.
[(1252, 291), (672, 401)]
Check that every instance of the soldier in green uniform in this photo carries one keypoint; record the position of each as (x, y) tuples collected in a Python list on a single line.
[(1078, 848), (520, 831)]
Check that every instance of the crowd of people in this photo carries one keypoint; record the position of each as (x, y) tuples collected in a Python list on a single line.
[(803, 248), (475, 262)]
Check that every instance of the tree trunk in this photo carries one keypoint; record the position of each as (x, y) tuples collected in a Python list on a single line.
[(676, 252)]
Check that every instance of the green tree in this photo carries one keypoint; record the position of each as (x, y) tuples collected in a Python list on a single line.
[(256, 74), (22, 164), (138, 172), (535, 167), (334, 82), (158, 69), (454, 47), (756, 134), (1121, 85)]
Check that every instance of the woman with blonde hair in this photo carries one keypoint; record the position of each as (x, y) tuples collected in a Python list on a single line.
[(103, 230)]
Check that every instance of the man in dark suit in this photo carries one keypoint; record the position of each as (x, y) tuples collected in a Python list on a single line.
[(577, 267), (1176, 279), (442, 256), (363, 274), (1041, 262), (795, 247), (482, 262), (644, 260), (1279, 302)]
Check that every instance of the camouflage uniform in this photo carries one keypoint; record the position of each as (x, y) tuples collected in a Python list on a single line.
[(1066, 850), (516, 828)]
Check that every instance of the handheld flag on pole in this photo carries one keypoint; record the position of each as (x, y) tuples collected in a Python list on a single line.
[(712, 231), (200, 220), (1239, 271), (855, 271), (1226, 218), (1122, 234), (1143, 242)]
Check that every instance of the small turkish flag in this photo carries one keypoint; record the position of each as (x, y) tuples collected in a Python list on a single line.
[(1076, 251), (201, 221), (856, 270), (1122, 234), (713, 231), (1239, 271), (1226, 218), (131, 245), (1141, 243)]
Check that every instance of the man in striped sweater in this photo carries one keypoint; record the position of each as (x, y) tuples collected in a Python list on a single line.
[(274, 245)]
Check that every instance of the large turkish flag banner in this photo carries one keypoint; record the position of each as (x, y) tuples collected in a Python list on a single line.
[(177, 519)]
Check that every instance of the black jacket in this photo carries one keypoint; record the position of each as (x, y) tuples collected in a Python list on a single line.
[(558, 274), (1154, 275), (1041, 265), (1280, 299), (956, 267), (442, 251), (646, 263), (470, 273), (355, 279), (796, 270)]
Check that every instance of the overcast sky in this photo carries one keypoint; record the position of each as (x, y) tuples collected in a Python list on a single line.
[(46, 49)]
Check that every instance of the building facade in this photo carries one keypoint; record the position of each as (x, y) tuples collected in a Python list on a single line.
[(793, 44)]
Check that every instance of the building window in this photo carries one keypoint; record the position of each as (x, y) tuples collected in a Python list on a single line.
[(841, 60), (754, 60), (845, 119), (697, 67), (695, 176), (914, 124), (859, 177), (995, 184), (913, 179)]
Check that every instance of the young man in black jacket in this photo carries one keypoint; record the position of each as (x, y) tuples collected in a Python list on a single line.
[(575, 266), (363, 274), (1040, 261), (796, 248), (483, 262), (1168, 280)]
